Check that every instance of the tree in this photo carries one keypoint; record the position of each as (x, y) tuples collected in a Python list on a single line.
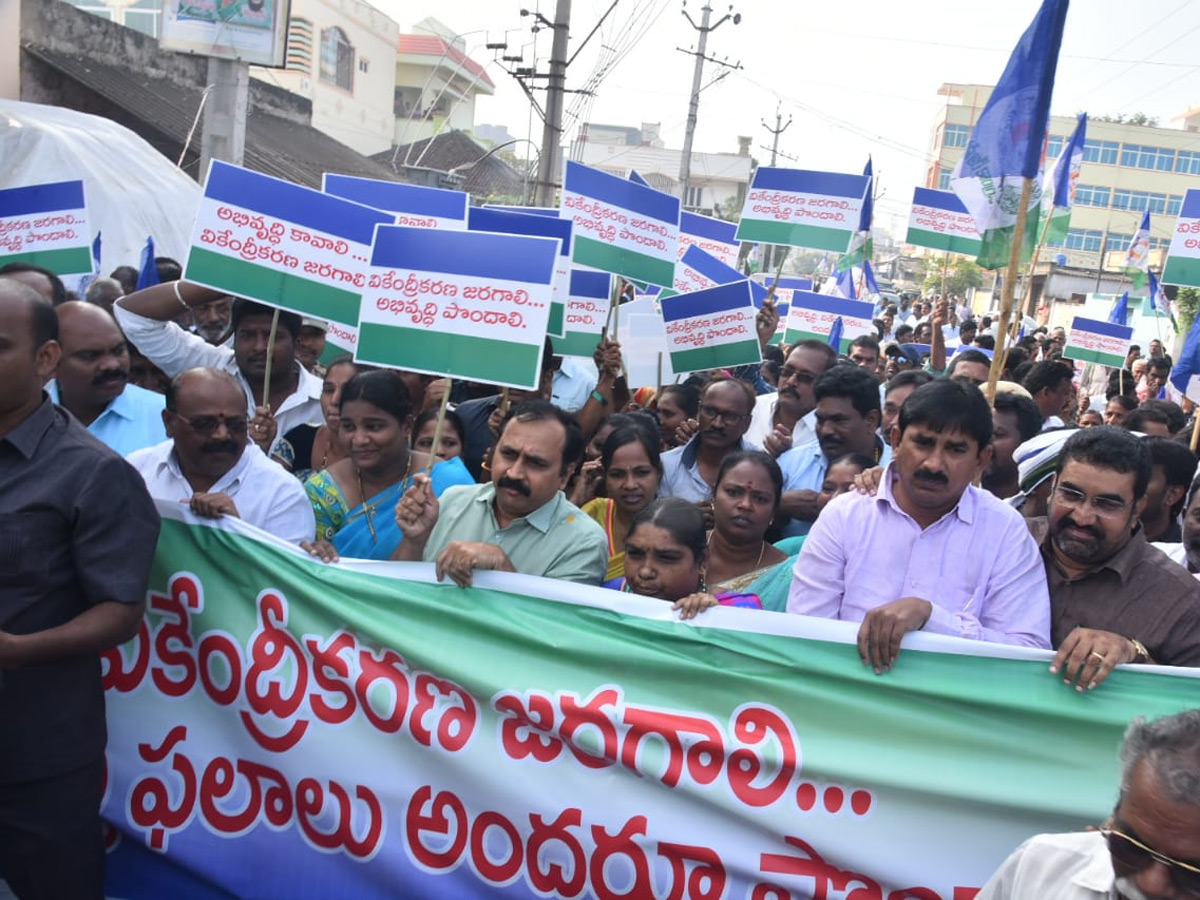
[(961, 274), (1187, 301), (1137, 118)]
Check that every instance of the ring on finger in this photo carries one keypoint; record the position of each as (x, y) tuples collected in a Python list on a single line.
[(1099, 656)]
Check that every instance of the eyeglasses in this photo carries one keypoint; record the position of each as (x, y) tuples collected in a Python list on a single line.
[(727, 415), (207, 425), (1132, 854), (1105, 507), (802, 377)]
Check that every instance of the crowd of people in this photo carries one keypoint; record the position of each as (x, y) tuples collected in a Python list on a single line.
[(879, 487)]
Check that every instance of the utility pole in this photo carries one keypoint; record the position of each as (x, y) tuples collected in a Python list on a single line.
[(224, 135), (548, 160), (685, 164), (769, 263)]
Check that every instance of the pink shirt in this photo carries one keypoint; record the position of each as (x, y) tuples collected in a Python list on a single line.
[(978, 565)]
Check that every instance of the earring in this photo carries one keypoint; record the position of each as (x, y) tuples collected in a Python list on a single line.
[(703, 584)]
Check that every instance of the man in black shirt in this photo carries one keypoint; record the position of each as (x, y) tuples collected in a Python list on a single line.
[(77, 535)]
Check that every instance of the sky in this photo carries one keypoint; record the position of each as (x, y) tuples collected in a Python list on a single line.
[(855, 78)]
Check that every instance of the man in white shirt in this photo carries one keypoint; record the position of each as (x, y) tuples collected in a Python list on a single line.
[(786, 419), (1150, 845), (208, 464), (294, 395)]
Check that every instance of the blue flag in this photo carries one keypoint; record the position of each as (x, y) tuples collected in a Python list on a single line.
[(1006, 145), (861, 246), (96, 252), (1159, 302), (148, 271), (1120, 310), (1185, 376), (1137, 257), (835, 334), (869, 278), (845, 284)]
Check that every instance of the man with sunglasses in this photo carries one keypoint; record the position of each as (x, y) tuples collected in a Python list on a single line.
[(1113, 597), (1150, 847), (208, 463)]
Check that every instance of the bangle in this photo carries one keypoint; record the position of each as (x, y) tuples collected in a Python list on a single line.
[(599, 398), (179, 297)]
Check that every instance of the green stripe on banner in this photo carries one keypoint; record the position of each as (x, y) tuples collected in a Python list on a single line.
[(481, 359), (68, 261), (791, 335), (1184, 270), (629, 263), (935, 240), (245, 279), (722, 356), (811, 237), (577, 343), (558, 313), (1094, 356)]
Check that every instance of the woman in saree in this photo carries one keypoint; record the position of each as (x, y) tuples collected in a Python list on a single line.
[(354, 500)]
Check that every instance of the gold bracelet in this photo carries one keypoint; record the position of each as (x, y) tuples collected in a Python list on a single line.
[(1142, 654), (179, 297)]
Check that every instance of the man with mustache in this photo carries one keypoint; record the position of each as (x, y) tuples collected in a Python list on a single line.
[(208, 463), (929, 551), (294, 395), (721, 422), (847, 420), (1113, 597), (518, 522), (92, 381), (786, 418)]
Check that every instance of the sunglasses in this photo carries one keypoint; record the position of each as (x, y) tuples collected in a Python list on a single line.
[(1135, 856)]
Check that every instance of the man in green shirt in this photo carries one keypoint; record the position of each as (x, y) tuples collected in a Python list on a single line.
[(521, 521)]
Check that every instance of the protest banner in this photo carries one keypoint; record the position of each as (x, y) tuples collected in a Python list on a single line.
[(1093, 341), (463, 304), (698, 269), (284, 245), (621, 226), (711, 329), (589, 299), (799, 208), (940, 221), (1182, 266), (279, 727), (528, 210), (511, 222), (811, 317), (713, 236), (415, 206), (46, 225)]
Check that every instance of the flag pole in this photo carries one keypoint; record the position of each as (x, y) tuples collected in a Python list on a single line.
[(266, 394), (945, 263), (1028, 290), (1006, 295), (1196, 431), (437, 425)]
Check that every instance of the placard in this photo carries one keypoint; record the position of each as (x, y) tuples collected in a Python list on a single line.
[(415, 206), (711, 329), (940, 221), (811, 317), (284, 245), (1093, 341), (46, 225), (800, 208), (621, 226), (714, 236), (461, 304), (699, 269), (589, 299), (1182, 265)]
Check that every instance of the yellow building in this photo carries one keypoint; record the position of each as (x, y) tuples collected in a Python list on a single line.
[(1126, 170)]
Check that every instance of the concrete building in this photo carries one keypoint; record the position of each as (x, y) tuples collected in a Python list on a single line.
[(436, 84), (717, 179), (1126, 170), (341, 55)]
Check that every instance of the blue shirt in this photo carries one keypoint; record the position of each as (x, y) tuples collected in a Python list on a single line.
[(804, 469), (132, 421), (681, 472)]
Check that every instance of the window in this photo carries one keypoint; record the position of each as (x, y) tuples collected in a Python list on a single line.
[(695, 194), (299, 45), (956, 136), (1119, 242), (1174, 203), (1054, 146), (337, 59), (364, 66), (1139, 201), (1188, 162), (1104, 152), (1092, 195), (944, 179), (1087, 241), (1139, 157)]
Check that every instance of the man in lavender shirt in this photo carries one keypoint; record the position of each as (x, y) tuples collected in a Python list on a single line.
[(929, 552)]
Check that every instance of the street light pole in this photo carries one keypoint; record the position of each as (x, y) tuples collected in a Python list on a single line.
[(685, 163)]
